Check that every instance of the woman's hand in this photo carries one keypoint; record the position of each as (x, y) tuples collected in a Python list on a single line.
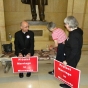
[(65, 63)]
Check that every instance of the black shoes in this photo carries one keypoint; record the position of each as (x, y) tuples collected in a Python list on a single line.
[(51, 72), (28, 74), (64, 86), (21, 75)]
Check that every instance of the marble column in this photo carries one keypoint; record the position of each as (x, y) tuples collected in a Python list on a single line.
[(2, 21), (2, 24)]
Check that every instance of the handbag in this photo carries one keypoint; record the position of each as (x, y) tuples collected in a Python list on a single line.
[(7, 47)]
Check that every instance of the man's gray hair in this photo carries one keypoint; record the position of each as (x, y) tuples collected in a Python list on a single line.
[(51, 25), (71, 21)]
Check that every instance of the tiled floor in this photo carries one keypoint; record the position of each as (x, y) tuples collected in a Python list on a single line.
[(42, 79)]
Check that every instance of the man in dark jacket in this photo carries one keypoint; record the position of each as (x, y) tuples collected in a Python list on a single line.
[(33, 3), (24, 43)]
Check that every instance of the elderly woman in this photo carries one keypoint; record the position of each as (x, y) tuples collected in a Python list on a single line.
[(73, 44), (59, 37)]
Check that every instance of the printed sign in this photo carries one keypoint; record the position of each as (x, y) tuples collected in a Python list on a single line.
[(67, 74), (25, 64)]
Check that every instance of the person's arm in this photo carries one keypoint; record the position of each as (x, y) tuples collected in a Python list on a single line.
[(56, 43)]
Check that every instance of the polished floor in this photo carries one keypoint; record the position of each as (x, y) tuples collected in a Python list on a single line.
[(42, 79)]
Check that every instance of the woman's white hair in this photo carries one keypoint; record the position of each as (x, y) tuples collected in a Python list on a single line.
[(51, 25), (71, 21)]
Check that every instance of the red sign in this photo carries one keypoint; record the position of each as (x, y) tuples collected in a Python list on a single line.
[(67, 74), (24, 64)]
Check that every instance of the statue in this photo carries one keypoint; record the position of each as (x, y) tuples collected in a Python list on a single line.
[(41, 4)]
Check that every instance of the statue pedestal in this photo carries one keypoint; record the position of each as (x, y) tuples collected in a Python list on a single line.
[(40, 30), (37, 22), (41, 34)]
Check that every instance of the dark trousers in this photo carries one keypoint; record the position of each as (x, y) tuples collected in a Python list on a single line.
[(60, 52)]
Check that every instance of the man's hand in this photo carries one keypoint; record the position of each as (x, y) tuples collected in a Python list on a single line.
[(28, 55), (65, 63), (20, 55)]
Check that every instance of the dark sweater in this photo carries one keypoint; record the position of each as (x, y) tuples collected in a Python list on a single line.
[(73, 47), (24, 43)]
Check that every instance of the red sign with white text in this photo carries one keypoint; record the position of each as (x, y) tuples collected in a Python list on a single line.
[(67, 74), (24, 64)]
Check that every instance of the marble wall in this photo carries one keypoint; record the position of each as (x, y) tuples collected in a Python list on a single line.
[(12, 12), (2, 21), (2, 24), (15, 12)]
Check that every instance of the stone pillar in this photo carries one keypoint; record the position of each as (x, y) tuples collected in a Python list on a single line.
[(70, 7), (2, 22), (77, 9), (2, 25)]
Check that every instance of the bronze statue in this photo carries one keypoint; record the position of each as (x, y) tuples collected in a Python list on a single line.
[(41, 4)]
